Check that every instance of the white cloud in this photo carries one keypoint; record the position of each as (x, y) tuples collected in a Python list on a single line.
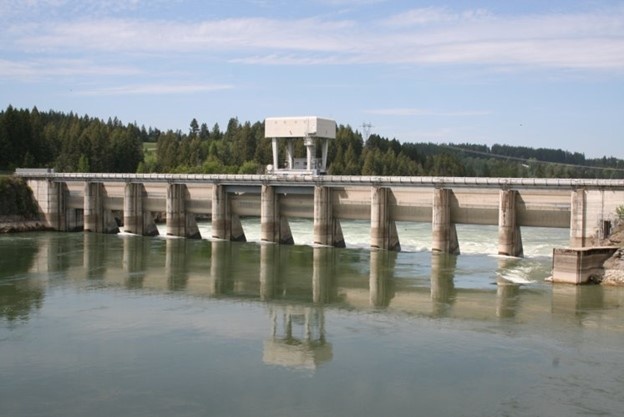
[(29, 70), (159, 89), (433, 15), (429, 36), (406, 111)]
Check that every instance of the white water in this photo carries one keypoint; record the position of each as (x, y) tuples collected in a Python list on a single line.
[(415, 237)]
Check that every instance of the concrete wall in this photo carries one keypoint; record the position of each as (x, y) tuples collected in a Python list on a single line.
[(586, 207)]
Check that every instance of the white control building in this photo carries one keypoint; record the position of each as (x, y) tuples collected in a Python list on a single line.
[(313, 130)]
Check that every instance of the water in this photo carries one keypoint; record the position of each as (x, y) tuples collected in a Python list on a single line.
[(104, 325)]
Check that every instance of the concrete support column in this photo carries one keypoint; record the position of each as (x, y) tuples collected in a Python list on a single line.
[(444, 232), (136, 219), (96, 217), (225, 225), (179, 222), (578, 218), (273, 226), (327, 230), (324, 153), (290, 154), (310, 146), (275, 149), (509, 237), (383, 229)]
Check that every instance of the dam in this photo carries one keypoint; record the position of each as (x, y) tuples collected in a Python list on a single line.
[(87, 201)]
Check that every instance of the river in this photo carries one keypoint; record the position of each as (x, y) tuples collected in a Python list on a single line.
[(104, 325)]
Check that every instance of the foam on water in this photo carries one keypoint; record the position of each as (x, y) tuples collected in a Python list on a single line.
[(414, 237)]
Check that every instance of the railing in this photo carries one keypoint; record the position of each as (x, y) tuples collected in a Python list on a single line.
[(331, 180)]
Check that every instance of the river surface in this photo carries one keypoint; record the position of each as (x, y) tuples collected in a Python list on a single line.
[(121, 325)]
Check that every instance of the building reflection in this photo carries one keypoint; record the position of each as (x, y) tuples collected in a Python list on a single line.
[(297, 337)]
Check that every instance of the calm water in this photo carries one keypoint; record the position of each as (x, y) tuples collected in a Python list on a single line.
[(97, 325)]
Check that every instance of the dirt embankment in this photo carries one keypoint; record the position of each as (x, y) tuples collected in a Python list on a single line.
[(614, 267), (14, 223), (18, 209)]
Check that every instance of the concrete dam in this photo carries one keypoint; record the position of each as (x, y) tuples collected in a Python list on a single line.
[(76, 201)]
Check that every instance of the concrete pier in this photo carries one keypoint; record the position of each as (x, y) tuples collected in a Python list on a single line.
[(509, 237), (327, 230), (225, 224), (383, 229), (96, 217), (137, 220), (179, 222), (578, 215), (587, 207), (273, 226), (444, 232)]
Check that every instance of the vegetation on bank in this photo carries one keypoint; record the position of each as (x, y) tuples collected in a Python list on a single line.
[(16, 198), (72, 143)]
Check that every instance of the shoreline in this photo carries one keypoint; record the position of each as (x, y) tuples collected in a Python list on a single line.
[(19, 224)]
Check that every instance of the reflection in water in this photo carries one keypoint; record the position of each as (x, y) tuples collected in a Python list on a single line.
[(135, 255), (269, 270), (381, 282), (301, 275), (95, 251), (18, 297), (323, 273), (443, 291), (298, 338), (176, 268)]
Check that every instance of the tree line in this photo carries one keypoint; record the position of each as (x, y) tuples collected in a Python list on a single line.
[(72, 143)]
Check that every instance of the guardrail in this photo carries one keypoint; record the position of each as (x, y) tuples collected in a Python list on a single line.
[(331, 180)]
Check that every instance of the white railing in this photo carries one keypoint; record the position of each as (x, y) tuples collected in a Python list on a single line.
[(331, 180)]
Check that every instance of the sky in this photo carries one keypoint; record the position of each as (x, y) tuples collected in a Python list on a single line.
[(524, 72)]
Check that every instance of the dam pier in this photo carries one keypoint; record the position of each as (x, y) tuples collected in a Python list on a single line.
[(72, 201)]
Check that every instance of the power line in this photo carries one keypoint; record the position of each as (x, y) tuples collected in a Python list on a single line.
[(530, 160)]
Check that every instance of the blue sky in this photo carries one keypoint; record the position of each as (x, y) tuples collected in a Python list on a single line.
[(529, 73)]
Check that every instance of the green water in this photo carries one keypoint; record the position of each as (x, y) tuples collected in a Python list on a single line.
[(96, 325)]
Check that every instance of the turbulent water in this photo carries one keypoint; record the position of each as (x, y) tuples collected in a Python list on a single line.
[(105, 325)]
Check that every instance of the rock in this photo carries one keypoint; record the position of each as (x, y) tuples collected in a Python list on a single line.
[(16, 224)]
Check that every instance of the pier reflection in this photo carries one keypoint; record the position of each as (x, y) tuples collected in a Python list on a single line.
[(443, 291), (316, 278)]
